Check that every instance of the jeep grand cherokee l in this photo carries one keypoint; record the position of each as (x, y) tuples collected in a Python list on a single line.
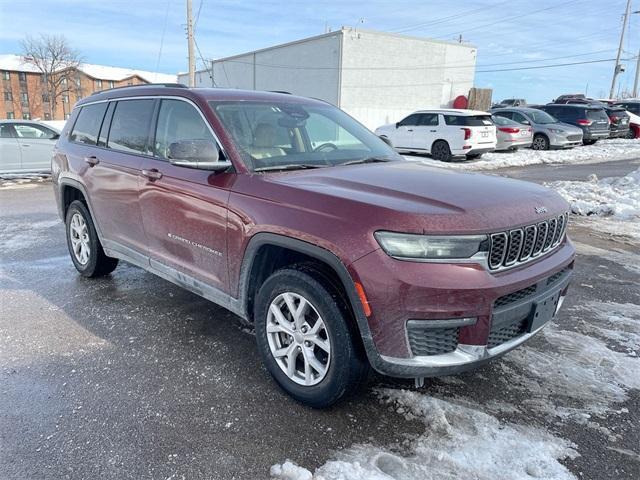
[(292, 215)]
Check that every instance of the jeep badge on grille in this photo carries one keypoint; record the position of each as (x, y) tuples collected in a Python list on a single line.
[(541, 209)]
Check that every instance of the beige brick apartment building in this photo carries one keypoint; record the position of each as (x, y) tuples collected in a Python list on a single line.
[(22, 95)]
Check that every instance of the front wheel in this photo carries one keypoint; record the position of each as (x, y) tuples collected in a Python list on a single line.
[(589, 142), (540, 142), (84, 246), (440, 151), (304, 337)]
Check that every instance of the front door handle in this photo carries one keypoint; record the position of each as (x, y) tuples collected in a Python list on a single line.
[(152, 174), (433, 131), (92, 161), (410, 130)]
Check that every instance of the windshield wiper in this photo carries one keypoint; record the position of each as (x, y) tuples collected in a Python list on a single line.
[(291, 166), (366, 160)]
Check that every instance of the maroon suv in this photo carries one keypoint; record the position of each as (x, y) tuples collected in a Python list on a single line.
[(294, 216)]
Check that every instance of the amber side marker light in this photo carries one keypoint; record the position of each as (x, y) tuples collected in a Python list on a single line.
[(363, 299)]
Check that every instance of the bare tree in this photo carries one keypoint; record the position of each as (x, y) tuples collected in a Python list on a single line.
[(58, 63)]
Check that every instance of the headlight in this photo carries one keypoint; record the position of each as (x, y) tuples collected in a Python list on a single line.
[(557, 131), (408, 245)]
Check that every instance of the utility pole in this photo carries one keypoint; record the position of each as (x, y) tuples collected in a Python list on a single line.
[(635, 82), (192, 57), (618, 68)]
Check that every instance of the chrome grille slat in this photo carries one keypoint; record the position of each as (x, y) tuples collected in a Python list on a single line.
[(519, 245)]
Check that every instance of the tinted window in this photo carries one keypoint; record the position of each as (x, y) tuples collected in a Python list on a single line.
[(88, 124), (468, 121), (6, 131), (518, 117), (129, 130), (538, 116), (429, 119), (104, 130), (596, 114), (410, 120), (177, 121), (504, 114)]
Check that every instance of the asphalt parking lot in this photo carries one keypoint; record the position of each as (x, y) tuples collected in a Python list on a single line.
[(132, 377)]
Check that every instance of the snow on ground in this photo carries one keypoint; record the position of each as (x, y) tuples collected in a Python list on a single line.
[(17, 235), (22, 180), (628, 260), (603, 151), (618, 198), (459, 442)]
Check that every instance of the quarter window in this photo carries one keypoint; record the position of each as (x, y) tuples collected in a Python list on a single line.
[(178, 121), (130, 126), (88, 124)]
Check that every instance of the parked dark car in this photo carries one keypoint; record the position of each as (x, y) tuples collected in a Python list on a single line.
[(632, 106), (569, 96), (619, 119), (291, 214), (593, 120)]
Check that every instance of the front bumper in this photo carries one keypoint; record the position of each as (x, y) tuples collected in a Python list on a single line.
[(565, 141), (403, 294)]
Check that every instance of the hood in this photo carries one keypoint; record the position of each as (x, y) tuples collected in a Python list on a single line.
[(413, 197)]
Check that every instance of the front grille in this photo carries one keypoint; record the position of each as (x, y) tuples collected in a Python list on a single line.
[(504, 333), (514, 297), (432, 341), (519, 245)]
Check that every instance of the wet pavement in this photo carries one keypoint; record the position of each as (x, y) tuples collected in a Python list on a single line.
[(132, 377)]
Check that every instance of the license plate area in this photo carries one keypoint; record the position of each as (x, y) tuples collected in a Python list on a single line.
[(543, 310)]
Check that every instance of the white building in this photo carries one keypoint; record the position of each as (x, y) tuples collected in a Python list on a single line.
[(376, 77)]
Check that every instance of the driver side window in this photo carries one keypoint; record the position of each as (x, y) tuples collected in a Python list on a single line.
[(411, 120), (178, 120)]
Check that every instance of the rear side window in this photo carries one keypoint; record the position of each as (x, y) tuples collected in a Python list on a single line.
[(88, 124), (503, 114), (429, 119), (130, 126), (468, 121), (177, 121)]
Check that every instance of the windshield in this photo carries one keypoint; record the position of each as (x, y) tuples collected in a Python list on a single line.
[(538, 116), (289, 135)]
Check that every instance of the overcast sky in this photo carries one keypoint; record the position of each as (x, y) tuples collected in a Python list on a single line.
[(149, 34)]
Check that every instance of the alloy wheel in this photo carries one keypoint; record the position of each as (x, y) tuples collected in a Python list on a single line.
[(539, 143), (298, 339), (79, 236)]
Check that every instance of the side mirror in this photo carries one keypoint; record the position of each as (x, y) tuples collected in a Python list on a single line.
[(526, 122), (55, 137), (386, 140), (200, 154), (398, 125)]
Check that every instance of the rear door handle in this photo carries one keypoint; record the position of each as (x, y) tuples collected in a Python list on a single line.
[(433, 131), (409, 130), (152, 174), (92, 161)]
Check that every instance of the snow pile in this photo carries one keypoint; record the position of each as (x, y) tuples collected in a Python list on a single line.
[(603, 151), (610, 197), (579, 375), (459, 442)]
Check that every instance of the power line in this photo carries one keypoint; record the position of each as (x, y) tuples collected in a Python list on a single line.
[(195, 24), (548, 66), (164, 29)]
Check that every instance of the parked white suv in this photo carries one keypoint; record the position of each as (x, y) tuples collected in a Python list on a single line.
[(442, 133)]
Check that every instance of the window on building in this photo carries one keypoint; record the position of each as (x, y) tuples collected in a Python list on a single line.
[(63, 81), (8, 96), (87, 125), (6, 75), (78, 82), (10, 116), (22, 76), (177, 121), (26, 116), (24, 98), (98, 84), (130, 126), (47, 116), (79, 95), (129, 83), (45, 97), (66, 116), (111, 84), (65, 98)]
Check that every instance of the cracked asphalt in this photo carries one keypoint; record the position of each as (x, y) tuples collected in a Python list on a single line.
[(131, 377)]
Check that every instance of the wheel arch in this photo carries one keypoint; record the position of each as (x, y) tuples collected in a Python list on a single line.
[(69, 190)]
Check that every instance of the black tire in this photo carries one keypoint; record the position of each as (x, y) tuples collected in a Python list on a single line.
[(540, 142), (589, 142), (98, 263), (348, 365), (440, 151), (474, 156)]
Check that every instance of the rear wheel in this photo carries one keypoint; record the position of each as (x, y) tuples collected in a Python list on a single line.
[(440, 151), (540, 142), (84, 246), (304, 337)]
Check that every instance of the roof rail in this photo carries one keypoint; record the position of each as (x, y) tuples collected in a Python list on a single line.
[(279, 91), (168, 85)]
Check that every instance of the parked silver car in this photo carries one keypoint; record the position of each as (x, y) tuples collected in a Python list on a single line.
[(26, 146), (548, 132), (511, 135)]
